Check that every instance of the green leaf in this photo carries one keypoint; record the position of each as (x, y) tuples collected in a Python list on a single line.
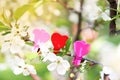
[(68, 43), (29, 43), (60, 54), (3, 27), (21, 10)]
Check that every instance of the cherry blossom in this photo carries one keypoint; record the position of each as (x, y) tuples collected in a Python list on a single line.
[(12, 44), (18, 66), (58, 64)]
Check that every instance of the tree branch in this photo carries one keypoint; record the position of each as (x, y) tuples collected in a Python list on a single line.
[(113, 13), (79, 21), (35, 77)]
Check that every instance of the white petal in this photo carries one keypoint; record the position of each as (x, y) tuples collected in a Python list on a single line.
[(17, 70), (19, 62), (52, 66), (5, 47), (59, 58), (105, 17), (107, 70), (66, 64), (15, 48), (23, 34), (43, 48), (26, 72), (17, 40), (102, 75), (31, 69), (61, 70), (50, 56)]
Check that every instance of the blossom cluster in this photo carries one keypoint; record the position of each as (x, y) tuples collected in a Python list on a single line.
[(59, 42)]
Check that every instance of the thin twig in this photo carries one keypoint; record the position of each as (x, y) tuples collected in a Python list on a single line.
[(35, 77), (92, 61), (89, 60), (79, 21)]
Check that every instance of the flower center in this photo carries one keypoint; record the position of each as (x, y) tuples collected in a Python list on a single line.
[(58, 61)]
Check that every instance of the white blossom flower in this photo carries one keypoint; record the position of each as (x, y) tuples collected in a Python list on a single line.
[(91, 10), (58, 64), (105, 15), (18, 66), (109, 72), (20, 31), (13, 44), (49, 57)]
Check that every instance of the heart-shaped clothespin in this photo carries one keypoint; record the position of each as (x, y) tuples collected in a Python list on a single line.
[(81, 48), (40, 36), (58, 41)]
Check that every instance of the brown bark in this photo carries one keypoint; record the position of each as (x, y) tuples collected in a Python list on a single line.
[(79, 21), (113, 13), (35, 77)]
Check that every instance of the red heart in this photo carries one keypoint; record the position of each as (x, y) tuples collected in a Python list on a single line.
[(58, 41)]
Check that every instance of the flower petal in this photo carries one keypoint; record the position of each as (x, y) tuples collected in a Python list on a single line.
[(51, 57), (66, 64), (52, 66), (81, 48), (26, 72), (40, 36), (31, 69), (15, 48), (17, 70), (61, 69), (5, 47), (76, 61)]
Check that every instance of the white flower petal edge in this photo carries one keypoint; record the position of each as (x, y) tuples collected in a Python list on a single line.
[(105, 17), (66, 64), (17, 70), (61, 69), (31, 69), (50, 56), (52, 66)]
